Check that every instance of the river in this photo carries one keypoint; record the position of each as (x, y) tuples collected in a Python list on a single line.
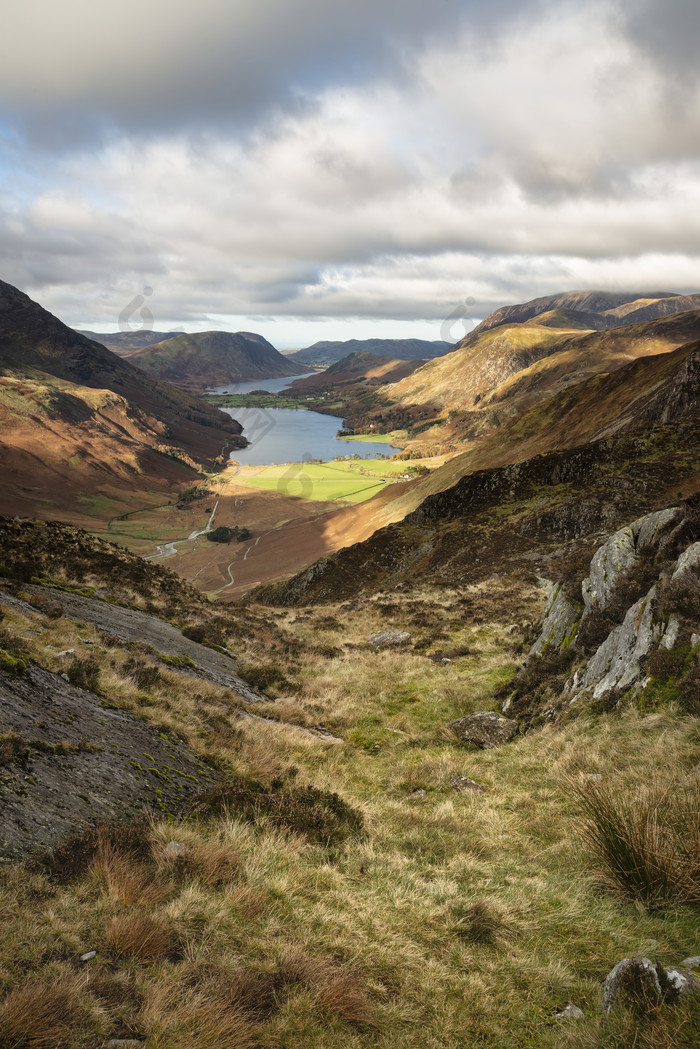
[(289, 435)]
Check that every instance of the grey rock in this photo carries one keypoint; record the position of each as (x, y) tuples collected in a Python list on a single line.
[(88, 956), (465, 785), (620, 552), (616, 664), (695, 640), (670, 635), (594, 776), (639, 981), (635, 978), (485, 729), (418, 795), (682, 979), (387, 638), (174, 850), (691, 963), (67, 652), (559, 621), (689, 559), (570, 1012)]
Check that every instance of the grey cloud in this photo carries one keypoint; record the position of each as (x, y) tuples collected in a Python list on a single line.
[(157, 67), (668, 32)]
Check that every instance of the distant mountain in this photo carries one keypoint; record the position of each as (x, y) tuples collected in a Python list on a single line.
[(321, 354), (598, 310), (210, 358), (84, 430), (123, 342), (357, 366)]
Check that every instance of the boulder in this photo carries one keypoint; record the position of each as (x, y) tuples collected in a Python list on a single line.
[(485, 729), (642, 984), (387, 638)]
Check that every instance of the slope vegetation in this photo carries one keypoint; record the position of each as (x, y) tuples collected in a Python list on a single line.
[(321, 354)]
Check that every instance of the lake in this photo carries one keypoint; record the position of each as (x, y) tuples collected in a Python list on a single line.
[(288, 435)]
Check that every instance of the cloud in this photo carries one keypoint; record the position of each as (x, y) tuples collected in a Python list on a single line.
[(381, 161)]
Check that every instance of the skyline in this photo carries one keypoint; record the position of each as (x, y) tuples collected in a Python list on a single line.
[(383, 163)]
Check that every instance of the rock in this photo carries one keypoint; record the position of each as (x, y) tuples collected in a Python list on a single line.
[(386, 638), (88, 957), (640, 983), (682, 979), (691, 963), (619, 553), (560, 621), (464, 785), (174, 850), (633, 981), (616, 664), (67, 652), (690, 558), (594, 776), (418, 795), (570, 1012), (671, 633), (485, 729), (695, 640)]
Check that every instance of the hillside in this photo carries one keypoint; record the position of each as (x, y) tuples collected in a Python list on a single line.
[(85, 434), (324, 353), (600, 309), (369, 368), (124, 342), (212, 358), (496, 375)]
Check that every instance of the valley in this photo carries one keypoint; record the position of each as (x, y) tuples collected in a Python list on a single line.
[(265, 791)]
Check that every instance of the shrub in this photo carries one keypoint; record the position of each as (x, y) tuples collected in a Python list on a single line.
[(646, 843), (144, 674), (478, 923), (320, 816), (681, 595), (76, 854), (84, 673), (267, 677)]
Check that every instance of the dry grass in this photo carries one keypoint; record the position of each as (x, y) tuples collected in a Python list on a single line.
[(646, 841), (38, 1015), (136, 935), (457, 919)]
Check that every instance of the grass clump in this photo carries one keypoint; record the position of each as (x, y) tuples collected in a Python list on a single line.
[(646, 842), (12, 664), (38, 1015)]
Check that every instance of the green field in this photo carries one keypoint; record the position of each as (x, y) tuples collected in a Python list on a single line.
[(322, 481), (376, 438)]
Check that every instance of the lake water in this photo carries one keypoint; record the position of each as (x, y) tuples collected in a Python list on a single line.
[(288, 435)]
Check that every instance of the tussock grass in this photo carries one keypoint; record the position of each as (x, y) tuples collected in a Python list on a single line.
[(37, 1015), (136, 935), (646, 840)]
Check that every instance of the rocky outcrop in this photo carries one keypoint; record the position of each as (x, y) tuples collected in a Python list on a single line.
[(68, 759), (622, 571), (388, 638)]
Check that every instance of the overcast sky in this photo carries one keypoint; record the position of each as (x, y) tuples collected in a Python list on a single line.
[(321, 169)]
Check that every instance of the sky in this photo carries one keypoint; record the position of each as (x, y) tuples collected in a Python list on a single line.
[(311, 169)]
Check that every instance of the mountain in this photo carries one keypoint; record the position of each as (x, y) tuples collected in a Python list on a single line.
[(369, 368), (124, 342), (494, 375), (321, 354), (83, 430), (211, 358), (599, 310)]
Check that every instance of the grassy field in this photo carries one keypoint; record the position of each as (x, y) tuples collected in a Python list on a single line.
[(318, 481), (418, 918), (376, 438)]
